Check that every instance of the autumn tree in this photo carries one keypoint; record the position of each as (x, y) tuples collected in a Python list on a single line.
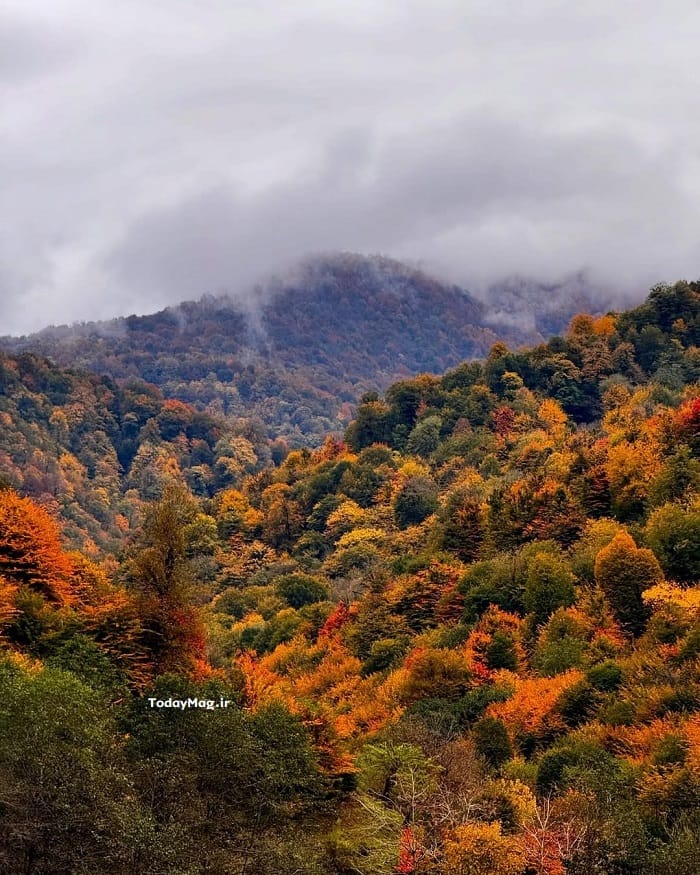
[(428, 597), (7, 602), (482, 849), (688, 423), (631, 468), (160, 575), (31, 554), (596, 535), (282, 516), (463, 525), (432, 673)]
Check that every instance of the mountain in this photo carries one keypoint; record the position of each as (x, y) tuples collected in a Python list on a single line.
[(463, 639), (300, 352)]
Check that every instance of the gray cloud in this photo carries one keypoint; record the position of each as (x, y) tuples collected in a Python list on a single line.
[(154, 151)]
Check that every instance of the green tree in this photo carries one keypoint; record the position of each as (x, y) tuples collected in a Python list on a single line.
[(679, 476), (301, 589), (371, 426), (550, 585), (415, 501), (492, 741), (623, 572), (244, 776), (425, 437), (502, 652), (400, 775), (66, 801), (673, 533)]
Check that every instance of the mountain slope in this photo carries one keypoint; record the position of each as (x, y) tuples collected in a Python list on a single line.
[(300, 353), (93, 452), (464, 639)]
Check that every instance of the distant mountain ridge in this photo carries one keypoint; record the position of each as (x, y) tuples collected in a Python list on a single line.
[(303, 350)]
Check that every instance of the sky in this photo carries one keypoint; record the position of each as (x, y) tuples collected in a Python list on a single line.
[(152, 151)]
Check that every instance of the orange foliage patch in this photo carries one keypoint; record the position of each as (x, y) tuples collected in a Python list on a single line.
[(30, 548), (531, 708)]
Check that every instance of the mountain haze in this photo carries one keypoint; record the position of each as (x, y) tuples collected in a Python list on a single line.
[(303, 349)]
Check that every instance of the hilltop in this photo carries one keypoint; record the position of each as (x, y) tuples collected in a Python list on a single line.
[(300, 352)]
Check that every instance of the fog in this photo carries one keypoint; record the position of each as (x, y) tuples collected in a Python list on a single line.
[(152, 152)]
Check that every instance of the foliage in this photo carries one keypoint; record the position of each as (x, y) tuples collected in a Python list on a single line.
[(623, 572), (492, 741), (673, 533), (96, 452), (464, 638), (482, 849)]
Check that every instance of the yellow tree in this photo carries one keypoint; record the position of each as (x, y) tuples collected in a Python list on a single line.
[(482, 849)]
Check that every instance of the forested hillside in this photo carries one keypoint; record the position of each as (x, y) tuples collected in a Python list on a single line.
[(301, 353), (94, 451), (462, 640)]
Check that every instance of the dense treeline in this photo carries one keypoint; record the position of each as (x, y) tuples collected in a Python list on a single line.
[(655, 342), (464, 639), (302, 357), (93, 779), (94, 451)]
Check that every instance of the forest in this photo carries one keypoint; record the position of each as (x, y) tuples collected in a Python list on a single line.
[(462, 637), (302, 351)]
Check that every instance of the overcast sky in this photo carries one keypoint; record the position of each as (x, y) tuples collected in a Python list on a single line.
[(155, 150)]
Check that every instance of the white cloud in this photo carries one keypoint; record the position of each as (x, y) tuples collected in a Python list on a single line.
[(153, 150)]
